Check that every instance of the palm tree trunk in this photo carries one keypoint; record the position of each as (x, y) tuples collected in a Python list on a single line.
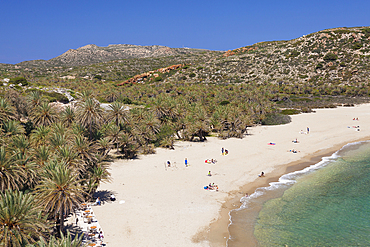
[(61, 224), (90, 131)]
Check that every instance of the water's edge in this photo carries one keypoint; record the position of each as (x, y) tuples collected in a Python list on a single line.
[(242, 233)]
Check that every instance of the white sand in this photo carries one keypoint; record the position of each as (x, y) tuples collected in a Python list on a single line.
[(168, 207)]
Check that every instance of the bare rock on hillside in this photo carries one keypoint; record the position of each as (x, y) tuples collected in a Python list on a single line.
[(91, 54)]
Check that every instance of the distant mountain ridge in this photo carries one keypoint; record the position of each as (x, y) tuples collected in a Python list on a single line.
[(336, 56), (91, 54)]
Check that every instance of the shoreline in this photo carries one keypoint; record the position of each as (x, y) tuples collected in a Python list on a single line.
[(218, 232), (158, 206)]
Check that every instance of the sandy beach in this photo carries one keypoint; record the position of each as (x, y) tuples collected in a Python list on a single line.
[(168, 206)]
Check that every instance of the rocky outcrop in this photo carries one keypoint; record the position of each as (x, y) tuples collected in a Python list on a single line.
[(144, 76), (90, 54)]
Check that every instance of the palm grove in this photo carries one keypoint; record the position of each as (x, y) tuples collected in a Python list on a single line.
[(51, 159)]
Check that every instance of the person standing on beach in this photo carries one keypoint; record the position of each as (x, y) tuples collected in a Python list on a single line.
[(222, 151), (308, 130), (186, 162)]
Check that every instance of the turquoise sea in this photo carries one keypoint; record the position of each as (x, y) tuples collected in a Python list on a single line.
[(327, 204)]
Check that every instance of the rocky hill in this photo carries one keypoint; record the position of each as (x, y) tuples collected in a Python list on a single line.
[(334, 56), (338, 56), (91, 54)]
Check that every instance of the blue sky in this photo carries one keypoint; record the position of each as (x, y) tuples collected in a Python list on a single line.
[(42, 29)]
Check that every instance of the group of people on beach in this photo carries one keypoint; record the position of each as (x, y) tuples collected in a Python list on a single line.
[(211, 186), (307, 132), (224, 151), (210, 161)]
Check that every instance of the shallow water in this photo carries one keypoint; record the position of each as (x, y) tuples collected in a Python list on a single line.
[(325, 205)]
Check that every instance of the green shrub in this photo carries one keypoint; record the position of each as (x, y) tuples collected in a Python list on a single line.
[(126, 101), (192, 75), (276, 119), (340, 31), (357, 46), (54, 96), (98, 77), (367, 31), (330, 57), (165, 131), (224, 102), (51, 96), (72, 93), (319, 66), (102, 100), (158, 78), (290, 112), (294, 54), (18, 80)]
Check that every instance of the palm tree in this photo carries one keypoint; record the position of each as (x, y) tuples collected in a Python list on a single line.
[(113, 132), (64, 241), (7, 111), (68, 116), (34, 98), (69, 157), (85, 149), (41, 154), (167, 142), (117, 113), (21, 221), (97, 174), (78, 129), (44, 114), (151, 122), (197, 123), (128, 145), (21, 144), (89, 114), (40, 135), (29, 167), (59, 192), (11, 174), (138, 114), (12, 127), (104, 146)]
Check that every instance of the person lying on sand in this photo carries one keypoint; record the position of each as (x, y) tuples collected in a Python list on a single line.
[(295, 141), (294, 151), (262, 174), (212, 186), (209, 161)]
